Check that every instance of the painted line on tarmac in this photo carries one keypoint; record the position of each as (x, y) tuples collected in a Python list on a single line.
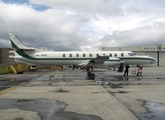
[(13, 88)]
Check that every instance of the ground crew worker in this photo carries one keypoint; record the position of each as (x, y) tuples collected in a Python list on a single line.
[(138, 70), (126, 70)]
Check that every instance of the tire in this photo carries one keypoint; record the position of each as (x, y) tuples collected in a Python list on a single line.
[(89, 74), (92, 76)]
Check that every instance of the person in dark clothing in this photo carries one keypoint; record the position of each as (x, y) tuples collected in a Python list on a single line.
[(138, 70), (126, 70)]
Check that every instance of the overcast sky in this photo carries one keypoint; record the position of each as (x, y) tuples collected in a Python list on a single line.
[(83, 24)]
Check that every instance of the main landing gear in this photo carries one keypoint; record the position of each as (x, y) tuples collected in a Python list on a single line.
[(90, 74)]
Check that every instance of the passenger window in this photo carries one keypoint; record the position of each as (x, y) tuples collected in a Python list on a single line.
[(84, 55), (97, 54), (70, 55), (77, 55), (103, 54), (122, 54), (63, 55), (115, 55), (110, 55), (90, 55)]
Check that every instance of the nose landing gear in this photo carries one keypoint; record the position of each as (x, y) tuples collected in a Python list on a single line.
[(91, 75)]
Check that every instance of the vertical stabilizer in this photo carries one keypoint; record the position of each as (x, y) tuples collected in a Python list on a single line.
[(16, 43)]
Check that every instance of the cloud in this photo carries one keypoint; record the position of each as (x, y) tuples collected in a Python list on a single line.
[(50, 26), (139, 36), (92, 6), (83, 25)]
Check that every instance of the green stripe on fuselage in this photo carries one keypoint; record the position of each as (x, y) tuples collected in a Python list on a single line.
[(21, 53)]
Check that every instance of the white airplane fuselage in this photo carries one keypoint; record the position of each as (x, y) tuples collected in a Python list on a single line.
[(25, 54), (80, 58)]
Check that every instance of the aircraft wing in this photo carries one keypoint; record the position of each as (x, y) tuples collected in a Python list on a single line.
[(95, 61), (98, 60)]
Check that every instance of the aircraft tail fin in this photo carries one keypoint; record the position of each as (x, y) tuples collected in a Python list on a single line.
[(16, 43)]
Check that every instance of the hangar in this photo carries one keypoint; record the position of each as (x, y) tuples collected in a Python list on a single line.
[(156, 51)]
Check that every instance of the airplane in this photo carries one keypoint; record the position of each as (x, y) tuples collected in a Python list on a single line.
[(99, 59)]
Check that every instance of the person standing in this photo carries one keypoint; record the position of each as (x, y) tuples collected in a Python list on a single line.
[(126, 70), (141, 69), (138, 70)]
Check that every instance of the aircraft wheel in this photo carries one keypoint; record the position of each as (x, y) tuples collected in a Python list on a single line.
[(89, 74), (92, 76)]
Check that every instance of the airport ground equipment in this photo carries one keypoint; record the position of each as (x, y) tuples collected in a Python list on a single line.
[(32, 68), (19, 69), (13, 69)]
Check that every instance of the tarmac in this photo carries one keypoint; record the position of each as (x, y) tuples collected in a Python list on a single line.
[(70, 95)]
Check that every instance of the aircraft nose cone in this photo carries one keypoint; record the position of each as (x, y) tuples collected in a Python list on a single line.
[(153, 61)]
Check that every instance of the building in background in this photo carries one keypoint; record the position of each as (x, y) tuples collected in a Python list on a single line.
[(156, 51), (4, 57)]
